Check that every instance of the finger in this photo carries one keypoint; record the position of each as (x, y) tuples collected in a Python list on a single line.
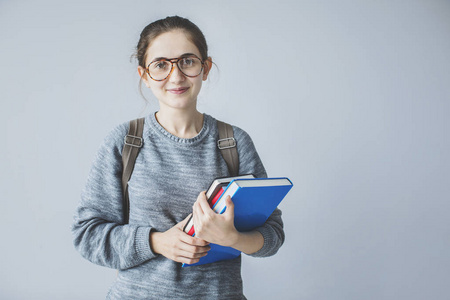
[(196, 213), (186, 260), (195, 241), (203, 202), (196, 249), (192, 251), (189, 255), (197, 210), (201, 221)]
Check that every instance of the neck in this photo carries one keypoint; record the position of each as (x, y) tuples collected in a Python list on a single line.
[(181, 123)]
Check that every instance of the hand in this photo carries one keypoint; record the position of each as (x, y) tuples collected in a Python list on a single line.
[(177, 245), (213, 227)]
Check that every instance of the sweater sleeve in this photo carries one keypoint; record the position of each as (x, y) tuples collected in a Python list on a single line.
[(98, 230), (249, 162)]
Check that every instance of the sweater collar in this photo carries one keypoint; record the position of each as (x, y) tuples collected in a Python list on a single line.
[(155, 127)]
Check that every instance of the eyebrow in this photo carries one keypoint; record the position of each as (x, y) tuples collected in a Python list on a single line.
[(182, 55)]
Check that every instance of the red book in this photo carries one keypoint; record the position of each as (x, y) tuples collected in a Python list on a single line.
[(216, 197)]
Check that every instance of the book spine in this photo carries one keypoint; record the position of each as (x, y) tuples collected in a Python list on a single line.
[(190, 226), (216, 197), (191, 231), (220, 205)]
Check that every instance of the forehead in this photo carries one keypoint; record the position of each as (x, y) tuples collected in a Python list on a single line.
[(171, 44)]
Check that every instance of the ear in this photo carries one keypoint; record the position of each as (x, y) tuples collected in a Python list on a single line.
[(207, 67), (143, 75)]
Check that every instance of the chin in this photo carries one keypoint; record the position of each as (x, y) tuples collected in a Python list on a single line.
[(180, 104), (187, 99)]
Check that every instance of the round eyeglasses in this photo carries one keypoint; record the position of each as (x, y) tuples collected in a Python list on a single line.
[(160, 69)]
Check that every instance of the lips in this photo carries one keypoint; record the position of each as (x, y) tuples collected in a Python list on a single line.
[(179, 90)]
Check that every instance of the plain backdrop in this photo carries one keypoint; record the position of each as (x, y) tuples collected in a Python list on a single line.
[(350, 99)]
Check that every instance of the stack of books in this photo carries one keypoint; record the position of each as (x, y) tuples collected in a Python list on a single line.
[(254, 201)]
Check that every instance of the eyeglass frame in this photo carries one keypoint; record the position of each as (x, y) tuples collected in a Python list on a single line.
[(175, 61)]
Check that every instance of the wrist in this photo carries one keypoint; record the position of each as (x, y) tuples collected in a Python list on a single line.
[(235, 239), (249, 242), (154, 241)]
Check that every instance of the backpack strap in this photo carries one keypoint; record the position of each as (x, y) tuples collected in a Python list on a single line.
[(133, 144), (227, 146)]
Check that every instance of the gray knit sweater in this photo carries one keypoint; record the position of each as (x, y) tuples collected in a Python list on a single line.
[(169, 174)]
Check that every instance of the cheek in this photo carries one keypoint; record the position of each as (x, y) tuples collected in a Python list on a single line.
[(156, 86), (197, 83)]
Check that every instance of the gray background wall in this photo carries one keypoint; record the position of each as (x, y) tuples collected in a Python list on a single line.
[(350, 99)]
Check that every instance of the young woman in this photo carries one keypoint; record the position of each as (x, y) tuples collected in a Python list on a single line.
[(178, 160)]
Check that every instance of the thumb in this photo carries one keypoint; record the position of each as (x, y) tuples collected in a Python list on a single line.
[(230, 207)]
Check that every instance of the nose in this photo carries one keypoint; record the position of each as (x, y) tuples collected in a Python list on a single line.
[(176, 75)]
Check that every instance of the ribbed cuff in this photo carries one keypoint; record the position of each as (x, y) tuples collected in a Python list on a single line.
[(143, 250), (266, 248)]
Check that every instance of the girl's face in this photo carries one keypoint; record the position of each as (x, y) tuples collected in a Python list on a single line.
[(176, 91)]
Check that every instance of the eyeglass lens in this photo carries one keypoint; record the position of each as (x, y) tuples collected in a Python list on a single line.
[(189, 66)]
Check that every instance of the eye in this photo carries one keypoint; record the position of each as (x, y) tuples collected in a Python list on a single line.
[(188, 62), (159, 65)]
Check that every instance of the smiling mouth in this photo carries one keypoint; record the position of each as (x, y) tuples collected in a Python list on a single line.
[(178, 90)]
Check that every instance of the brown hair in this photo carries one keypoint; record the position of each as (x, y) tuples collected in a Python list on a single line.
[(156, 28)]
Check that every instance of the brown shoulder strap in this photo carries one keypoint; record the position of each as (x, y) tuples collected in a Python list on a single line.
[(227, 146), (133, 143)]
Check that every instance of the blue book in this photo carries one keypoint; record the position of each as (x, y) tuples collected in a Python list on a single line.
[(254, 201)]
